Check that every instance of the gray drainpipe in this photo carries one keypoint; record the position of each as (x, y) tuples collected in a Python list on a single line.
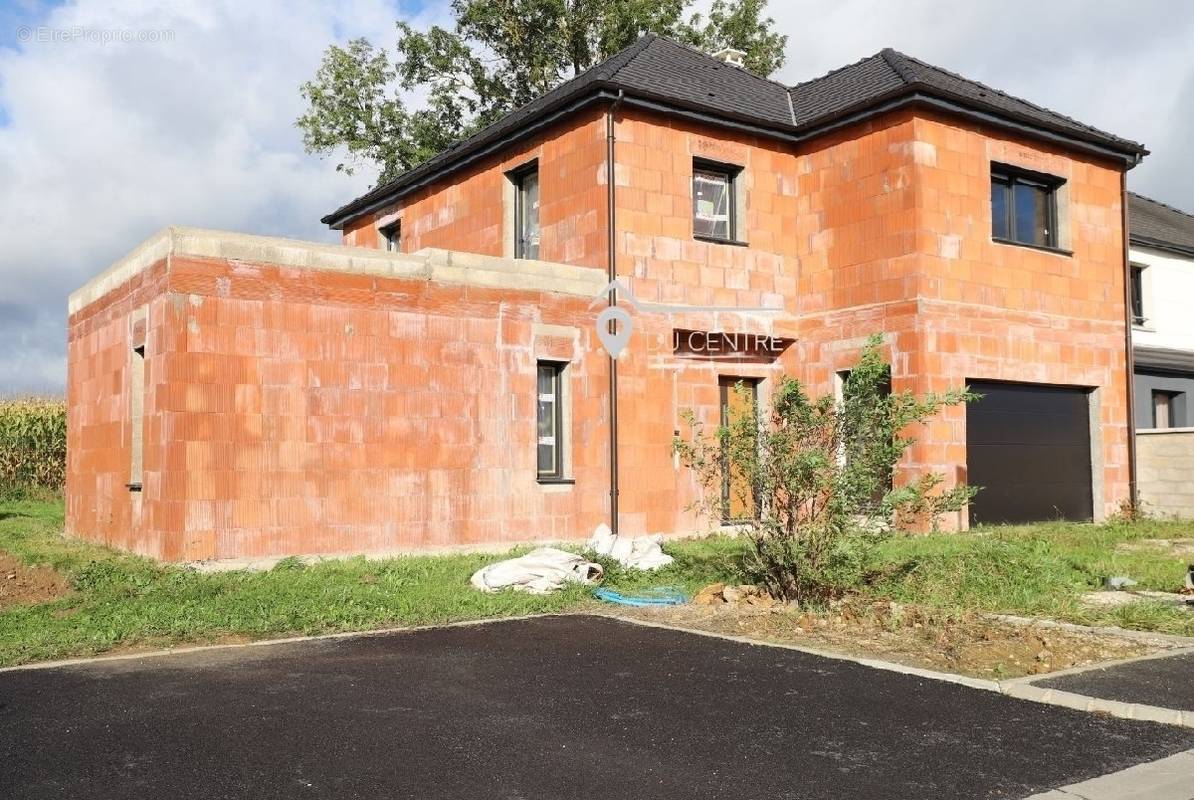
[(613, 301), (1131, 358)]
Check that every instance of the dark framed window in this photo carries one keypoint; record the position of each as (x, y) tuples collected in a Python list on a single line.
[(526, 211), (1136, 275), (1024, 207), (391, 236), (1167, 409), (714, 205), (549, 418)]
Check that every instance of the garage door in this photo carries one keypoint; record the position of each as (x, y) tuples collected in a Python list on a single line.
[(1028, 446)]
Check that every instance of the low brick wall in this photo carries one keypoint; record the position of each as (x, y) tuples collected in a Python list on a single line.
[(1165, 471), (235, 396)]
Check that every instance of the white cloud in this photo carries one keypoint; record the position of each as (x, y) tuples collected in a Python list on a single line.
[(1125, 68), (106, 143)]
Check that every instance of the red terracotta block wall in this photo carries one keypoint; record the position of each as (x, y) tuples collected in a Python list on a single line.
[(1004, 312), (883, 228), (99, 504), (880, 228), (471, 210), (830, 235), (312, 411), (661, 262)]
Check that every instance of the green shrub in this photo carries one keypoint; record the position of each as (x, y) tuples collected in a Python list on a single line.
[(811, 478), (32, 445)]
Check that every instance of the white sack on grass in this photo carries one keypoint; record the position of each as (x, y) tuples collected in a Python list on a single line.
[(538, 572), (643, 552)]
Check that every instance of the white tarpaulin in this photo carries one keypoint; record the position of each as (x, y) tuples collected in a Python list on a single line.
[(643, 552), (538, 572)]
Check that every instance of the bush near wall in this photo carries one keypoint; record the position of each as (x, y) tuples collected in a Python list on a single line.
[(32, 445)]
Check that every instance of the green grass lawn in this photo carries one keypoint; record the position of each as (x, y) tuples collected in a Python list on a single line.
[(121, 600), (1039, 570), (124, 601)]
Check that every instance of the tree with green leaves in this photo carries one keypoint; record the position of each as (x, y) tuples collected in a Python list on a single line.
[(814, 476), (500, 55)]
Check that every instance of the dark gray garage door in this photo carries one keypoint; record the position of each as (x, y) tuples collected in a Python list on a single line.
[(1028, 446)]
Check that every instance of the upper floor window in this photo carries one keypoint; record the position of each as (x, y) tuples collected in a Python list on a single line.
[(714, 202), (1023, 207), (391, 236), (526, 212), (1136, 276)]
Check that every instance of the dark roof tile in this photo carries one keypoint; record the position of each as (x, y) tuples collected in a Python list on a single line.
[(655, 68), (674, 72), (1153, 223), (890, 72), (847, 87)]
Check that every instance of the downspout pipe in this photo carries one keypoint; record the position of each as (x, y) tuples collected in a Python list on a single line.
[(610, 178), (1133, 495)]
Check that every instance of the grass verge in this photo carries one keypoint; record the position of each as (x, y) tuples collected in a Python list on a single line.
[(118, 601), (1039, 570)]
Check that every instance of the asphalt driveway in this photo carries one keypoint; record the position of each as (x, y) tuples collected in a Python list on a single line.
[(563, 707), (1164, 682)]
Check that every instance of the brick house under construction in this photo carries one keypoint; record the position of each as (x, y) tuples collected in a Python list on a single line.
[(439, 379)]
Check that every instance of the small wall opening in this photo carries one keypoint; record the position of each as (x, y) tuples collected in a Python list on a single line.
[(137, 416)]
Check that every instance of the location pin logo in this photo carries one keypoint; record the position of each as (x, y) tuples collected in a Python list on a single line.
[(614, 340)]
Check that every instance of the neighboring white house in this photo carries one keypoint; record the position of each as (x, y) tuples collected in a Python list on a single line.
[(1162, 258), (1161, 253)]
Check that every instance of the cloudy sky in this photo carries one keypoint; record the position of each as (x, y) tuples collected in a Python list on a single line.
[(104, 142)]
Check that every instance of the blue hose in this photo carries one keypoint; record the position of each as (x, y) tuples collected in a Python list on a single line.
[(659, 596)]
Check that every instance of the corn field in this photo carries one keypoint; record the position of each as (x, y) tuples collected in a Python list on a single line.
[(32, 444)]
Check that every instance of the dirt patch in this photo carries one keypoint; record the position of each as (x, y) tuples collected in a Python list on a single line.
[(1178, 548), (1179, 599), (972, 644), (161, 644), (21, 584)]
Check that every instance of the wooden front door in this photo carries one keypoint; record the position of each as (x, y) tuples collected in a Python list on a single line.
[(737, 499)]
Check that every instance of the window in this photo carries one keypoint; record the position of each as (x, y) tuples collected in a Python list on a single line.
[(550, 420), (1137, 278), (714, 206), (137, 416), (391, 236), (1165, 409), (1023, 207), (526, 213), (864, 440), (737, 495)]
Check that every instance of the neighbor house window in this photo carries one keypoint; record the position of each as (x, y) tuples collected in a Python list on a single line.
[(526, 213), (550, 420), (1023, 207), (714, 206), (1165, 409), (391, 236), (1137, 278)]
